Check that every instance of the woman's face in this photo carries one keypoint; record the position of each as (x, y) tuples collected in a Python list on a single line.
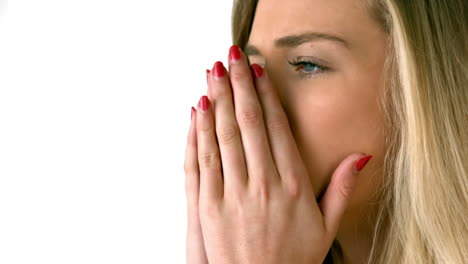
[(333, 108)]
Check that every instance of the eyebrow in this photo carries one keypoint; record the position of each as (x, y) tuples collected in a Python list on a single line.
[(296, 40)]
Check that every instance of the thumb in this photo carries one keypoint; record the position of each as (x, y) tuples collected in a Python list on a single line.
[(343, 182)]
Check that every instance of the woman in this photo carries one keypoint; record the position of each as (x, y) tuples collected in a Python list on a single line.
[(275, 160)]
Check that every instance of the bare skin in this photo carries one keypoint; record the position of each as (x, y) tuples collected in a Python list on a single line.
[(334, 118)]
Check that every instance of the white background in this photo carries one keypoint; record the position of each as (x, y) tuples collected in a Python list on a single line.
[(95, 99)]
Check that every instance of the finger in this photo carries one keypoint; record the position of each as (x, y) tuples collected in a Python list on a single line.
[(283, 146), (227, 130), (339, 191), (192, 177), (211, 185), (195, 247), (260, 165)]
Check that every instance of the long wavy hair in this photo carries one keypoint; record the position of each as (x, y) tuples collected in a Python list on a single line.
[(423, 214)]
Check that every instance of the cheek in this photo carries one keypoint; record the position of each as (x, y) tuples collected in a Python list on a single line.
[(328, 126)]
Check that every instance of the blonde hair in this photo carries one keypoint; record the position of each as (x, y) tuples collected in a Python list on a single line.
[(423, 215)]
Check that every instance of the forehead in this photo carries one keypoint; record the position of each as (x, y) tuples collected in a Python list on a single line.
[(277, 18)]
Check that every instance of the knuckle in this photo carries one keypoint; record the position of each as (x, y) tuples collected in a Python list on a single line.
[(294, 183), (205, 127), (346, 189), (235, 193), (261, 185), (187, 168), (294, 189), (221, 91), (276, 124), (261, 190), (209, 160), (228, 135), (209, 210), (250, 117), (236, 75)]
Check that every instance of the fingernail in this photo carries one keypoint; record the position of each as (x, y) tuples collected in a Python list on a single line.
[(256, 70), (192, 113), (362, 162), (218, 69), (207, 75), (204, 103), (234, 53)]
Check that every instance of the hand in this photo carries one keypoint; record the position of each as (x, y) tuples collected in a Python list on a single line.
[(256, 202)]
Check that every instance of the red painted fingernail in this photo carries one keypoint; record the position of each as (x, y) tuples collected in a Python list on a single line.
[(207, 75), (234, 53), (362, 162), (218, 69), (204, 103), (192, 113), (257, 70)]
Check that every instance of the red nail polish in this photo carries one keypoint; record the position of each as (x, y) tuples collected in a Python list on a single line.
[(218, 69), (207, 75), (257, 70), (192, 112), (362, 162), (204, 103), (234, 53)]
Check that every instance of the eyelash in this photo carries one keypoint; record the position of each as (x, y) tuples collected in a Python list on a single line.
[(302, 62)]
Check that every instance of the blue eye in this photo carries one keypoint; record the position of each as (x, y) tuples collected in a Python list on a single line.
[(310, 67), (307, 69)]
